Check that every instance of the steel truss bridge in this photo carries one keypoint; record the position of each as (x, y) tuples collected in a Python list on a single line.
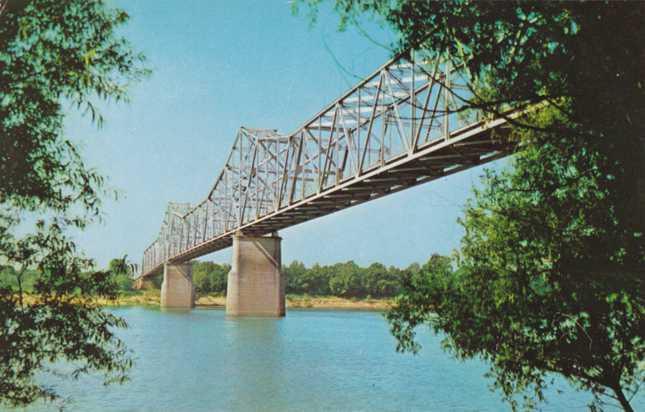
[(406, 124)]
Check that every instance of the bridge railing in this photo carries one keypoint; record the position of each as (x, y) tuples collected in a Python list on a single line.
[(405, 105)]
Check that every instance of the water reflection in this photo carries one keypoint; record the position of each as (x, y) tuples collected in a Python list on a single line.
[(257, 347)]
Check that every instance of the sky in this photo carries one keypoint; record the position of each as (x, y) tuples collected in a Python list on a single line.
[(219, 65)]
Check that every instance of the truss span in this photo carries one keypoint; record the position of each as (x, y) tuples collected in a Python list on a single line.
[(408, 123)]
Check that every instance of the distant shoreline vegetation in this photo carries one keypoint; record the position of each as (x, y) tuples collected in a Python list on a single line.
[(345, 280), (339, 286)]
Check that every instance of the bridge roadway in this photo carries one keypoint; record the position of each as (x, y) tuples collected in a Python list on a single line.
[(465, 149), (406, 124)]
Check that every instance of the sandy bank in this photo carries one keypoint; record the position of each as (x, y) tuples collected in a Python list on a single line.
[(151, 297)]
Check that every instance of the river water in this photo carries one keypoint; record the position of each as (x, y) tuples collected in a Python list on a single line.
[(312, 360)]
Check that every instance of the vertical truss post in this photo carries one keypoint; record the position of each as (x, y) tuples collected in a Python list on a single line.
[(345, 148), (413, 103), (446, 93)]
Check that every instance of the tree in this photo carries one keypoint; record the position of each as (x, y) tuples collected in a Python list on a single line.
[(61, 323), (549, 278), (295, 273), (219, 278), (201, 276), (380, 282), (415, 304), (316, 280), (372, 279), (210, 277), (346, 280), (55, 54), (552, 258), (121, 272)]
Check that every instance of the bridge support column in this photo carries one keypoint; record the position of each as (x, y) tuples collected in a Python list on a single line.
[(138, 284), (143, 283), (255, 283), (177, 289)]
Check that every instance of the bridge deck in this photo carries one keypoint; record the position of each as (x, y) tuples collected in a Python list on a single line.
[(466, 148), (407, 124)]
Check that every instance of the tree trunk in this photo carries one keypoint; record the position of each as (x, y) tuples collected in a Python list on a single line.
[(622, 399), (640, 186)]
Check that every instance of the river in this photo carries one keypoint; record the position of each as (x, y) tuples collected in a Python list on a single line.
[(312, 360)]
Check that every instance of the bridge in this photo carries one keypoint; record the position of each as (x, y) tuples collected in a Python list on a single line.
[(406, 124)]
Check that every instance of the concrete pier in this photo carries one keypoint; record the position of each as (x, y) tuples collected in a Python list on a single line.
[(255, 283), (143, 283), (177, 289), (138, 284)]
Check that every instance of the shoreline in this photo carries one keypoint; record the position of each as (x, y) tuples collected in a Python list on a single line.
[(152, 298)]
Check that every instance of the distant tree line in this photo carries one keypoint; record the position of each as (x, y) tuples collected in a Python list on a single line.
[(347, 279), (210, 277)]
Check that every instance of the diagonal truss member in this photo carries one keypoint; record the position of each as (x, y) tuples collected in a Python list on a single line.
[(405, 124)]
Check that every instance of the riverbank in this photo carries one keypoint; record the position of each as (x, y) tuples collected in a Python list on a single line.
[(152, 297)]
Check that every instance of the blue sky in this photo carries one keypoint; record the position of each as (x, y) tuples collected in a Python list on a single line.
[(217, 66)]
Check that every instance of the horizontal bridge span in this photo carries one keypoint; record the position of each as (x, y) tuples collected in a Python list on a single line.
[(406, 124)]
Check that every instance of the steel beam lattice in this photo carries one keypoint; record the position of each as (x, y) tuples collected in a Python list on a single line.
[(406, 124)]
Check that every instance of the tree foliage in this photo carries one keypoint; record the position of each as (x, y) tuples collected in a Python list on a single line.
[(210, 277), (347, 279), (58, 321), (121, 274), (549, 277), (54, 56)]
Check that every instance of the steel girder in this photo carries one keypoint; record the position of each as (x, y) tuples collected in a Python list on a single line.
[(407, 123)]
